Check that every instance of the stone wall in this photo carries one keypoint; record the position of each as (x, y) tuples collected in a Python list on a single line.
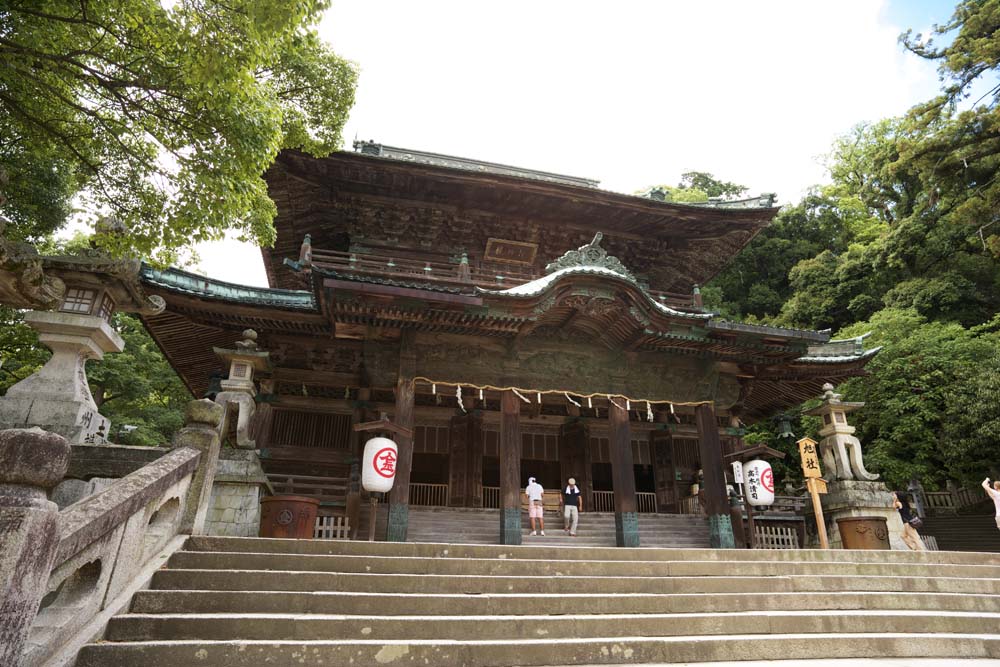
[(234, 509)]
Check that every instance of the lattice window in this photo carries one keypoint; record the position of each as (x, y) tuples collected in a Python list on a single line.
[(79, 300), (239, 370), (107, 308), (299, 428)]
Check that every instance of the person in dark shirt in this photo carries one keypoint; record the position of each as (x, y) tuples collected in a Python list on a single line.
[(910, 534), (572, 503)]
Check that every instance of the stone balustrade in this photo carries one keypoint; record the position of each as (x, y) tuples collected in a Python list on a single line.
[(73, 566)]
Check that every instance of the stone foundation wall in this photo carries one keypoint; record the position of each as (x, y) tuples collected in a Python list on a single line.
[(234, 510)]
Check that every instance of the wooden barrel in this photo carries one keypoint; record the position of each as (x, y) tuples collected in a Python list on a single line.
[(288, 516)]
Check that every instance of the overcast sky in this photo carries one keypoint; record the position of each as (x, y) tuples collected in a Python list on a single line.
[(629, 93)]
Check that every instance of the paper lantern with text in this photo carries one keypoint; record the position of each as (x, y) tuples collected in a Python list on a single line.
[(378, 466), (758, 483)]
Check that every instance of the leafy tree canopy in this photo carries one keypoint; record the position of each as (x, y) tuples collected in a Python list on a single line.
[(161, 115)]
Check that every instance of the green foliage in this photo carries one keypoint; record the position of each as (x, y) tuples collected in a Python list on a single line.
[(903, 242), (696, 187), (164, 115)]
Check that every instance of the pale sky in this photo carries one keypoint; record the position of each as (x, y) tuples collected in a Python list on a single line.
[(629, 93)]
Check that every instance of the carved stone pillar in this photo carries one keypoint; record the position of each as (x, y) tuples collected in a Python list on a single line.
[(510, 468), (32, 462), (623, 477), (399, 497), (201, 432), (57, 398), (720, 527)]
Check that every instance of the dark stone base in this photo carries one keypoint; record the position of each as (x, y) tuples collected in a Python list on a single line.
[(720, 531), (627, 529), (510, 526), (399, 519)]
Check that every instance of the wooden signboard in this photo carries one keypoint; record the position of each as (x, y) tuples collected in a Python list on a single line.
[(515, 252), (810, 458)]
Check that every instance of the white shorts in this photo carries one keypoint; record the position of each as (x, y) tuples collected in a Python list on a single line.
[(535, 511)]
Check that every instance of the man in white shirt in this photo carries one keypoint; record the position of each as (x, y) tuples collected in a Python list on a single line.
[(993, 493), (535, 494)]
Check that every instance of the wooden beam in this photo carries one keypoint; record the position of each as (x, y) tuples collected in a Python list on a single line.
[(406, 292), (399, 496), (716, 503), (623, 477)]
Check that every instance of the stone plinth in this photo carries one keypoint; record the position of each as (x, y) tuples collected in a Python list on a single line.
[(31, 462), (57, 398), (847, 498), (234, 509)]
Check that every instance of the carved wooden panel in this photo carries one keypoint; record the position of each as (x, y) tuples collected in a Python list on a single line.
[(507, 251)]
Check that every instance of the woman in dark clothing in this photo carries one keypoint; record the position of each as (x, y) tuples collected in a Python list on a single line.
[(910, 534)]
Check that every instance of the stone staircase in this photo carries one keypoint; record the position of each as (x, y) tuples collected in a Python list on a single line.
[(596, 529), (963, 532), (246, 601)]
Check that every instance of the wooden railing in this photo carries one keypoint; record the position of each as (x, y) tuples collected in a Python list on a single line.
[(936, 501), (491, 497), (455, 274), (646, 502), (429, 495), (332, 528), (326, 489), (775, 537), (604, 501)]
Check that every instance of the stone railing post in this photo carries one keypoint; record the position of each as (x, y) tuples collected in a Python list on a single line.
[(201, 432), (32, 461)]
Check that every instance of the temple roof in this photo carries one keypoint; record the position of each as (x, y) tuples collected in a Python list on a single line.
[(442, 207)]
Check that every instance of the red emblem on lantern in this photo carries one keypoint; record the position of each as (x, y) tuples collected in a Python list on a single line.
[(385, 462), (767, 479)]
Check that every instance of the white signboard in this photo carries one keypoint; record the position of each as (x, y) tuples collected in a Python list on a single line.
[(759, 483), (737, 472), (378, 465)]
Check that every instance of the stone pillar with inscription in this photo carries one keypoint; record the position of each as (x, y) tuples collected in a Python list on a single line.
[(57, 397), (399, 496), (623, 476), (510, 468), (720, 526)]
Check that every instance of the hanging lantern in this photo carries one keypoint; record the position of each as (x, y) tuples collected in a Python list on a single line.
[(378, 467), (758, 483)]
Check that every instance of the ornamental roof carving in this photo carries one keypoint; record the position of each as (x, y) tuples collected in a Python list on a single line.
[(591, 255)]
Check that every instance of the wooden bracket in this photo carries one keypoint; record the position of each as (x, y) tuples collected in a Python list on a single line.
[(384, 424)]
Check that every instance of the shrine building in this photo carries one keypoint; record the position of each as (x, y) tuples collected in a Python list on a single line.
[(519, 322)]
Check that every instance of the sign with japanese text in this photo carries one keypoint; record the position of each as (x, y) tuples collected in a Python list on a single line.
[(810, 458), (759, 483), (378, 468), (737, 472)]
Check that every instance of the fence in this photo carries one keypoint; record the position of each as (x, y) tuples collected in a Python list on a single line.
[(491, 497), (604, 501), (646, 502), (429, 495), (775, 537), (948, 502), (332, 528)]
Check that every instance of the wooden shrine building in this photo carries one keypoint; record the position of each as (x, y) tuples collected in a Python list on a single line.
[(520, 322)]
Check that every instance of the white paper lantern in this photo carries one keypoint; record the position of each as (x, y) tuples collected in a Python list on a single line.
[(758, 483), (378, 467)]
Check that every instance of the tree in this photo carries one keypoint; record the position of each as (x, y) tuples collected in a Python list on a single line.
[(163, 115), (707, 183)]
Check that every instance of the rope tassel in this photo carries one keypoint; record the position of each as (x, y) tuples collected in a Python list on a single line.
[(458, 396), (520, 395), (568, 398)]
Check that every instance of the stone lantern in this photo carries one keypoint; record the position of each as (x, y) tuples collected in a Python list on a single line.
[(840, 449), (57, 398), (239, 388)]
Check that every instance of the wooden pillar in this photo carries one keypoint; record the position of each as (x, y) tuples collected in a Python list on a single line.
[(510, 468), (465, 461), (623, 477), (720, 526), (399, 496)]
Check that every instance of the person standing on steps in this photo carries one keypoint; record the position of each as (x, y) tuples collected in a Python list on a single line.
[(535, 494), (993, 493), (572, 503), (910, 534)]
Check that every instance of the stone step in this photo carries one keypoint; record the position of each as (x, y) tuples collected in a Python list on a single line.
[(534, 652), (437, 604), (529, 584), (201, 560), (444, 550), (314, 626)]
